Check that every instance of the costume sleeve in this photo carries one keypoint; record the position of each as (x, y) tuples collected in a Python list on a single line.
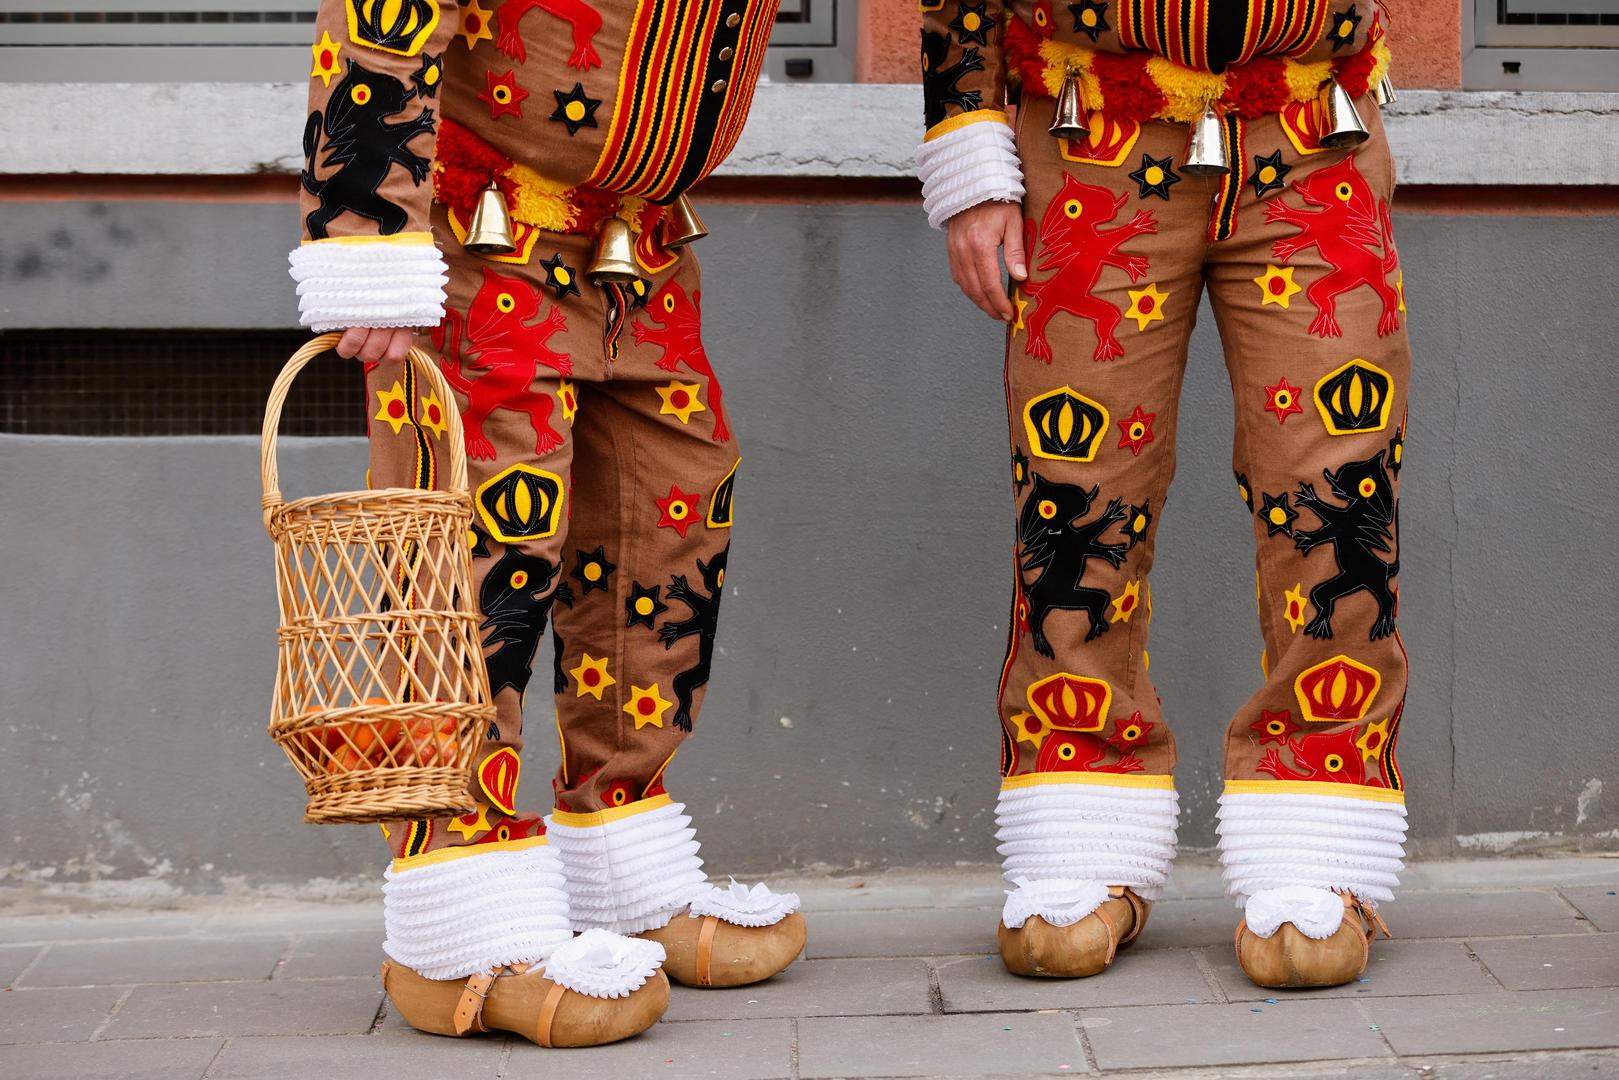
[(368, 256), (968, 155)]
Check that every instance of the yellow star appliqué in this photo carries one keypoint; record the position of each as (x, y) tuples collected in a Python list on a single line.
[(591, 676), (1146, 305), (569, 398), (1293, 607), (1030, 729), (469, 828), (393, 408), (325, 52), (1021, 303), (1125, 604), (1399, 289), (1276, 286), (475, 25), (1372, 739), (680, 400), (647, 706), (433, 414)]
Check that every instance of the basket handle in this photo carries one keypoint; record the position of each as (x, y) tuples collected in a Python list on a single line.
[(278, 397)]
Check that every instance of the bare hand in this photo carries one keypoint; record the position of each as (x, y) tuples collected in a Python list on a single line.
[(373, 343), (975, 236)]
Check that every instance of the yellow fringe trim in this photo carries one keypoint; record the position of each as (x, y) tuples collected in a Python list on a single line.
[(443, 855), (540, 202), (1314, 787), (1157, 781), (1187, 92)]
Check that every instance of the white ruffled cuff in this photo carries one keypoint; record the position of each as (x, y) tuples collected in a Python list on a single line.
[(1060, 902), (457, 917), (602, 965), (1103, 833), (1269, 841), (743, 906), (628, 874), (385, 281), (1316, 912), (971, 164)]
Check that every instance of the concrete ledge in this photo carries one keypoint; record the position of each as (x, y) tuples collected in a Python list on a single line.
[(854, 132)]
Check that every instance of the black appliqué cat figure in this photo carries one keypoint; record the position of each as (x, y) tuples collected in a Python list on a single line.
[(703, 621), (1055, 549), (515, 601), (1357, 531), (365, 147)]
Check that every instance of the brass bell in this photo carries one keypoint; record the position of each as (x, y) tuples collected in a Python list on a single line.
[(1206, 151), (1340, 123), (490, 231), (614, 259), (1069, 121), (1383, 93), (681, 225)]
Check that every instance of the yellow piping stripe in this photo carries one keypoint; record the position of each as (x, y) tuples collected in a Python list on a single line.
[(396, 238), (612, 813), (956, 123), (1313, 787), (1162, 782), (449, 854)]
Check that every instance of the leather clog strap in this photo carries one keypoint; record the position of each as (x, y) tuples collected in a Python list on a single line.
[(469, 1010), (1138, 911), (548, 1014), (705, 950)]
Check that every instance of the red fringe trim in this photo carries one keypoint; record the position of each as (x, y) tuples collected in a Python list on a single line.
[(466, 166)]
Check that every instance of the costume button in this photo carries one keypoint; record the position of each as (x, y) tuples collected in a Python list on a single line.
[(732, 20), (725, 54), (719, 86)]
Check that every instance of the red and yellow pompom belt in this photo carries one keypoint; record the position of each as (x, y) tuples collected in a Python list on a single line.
[(465, 165), (1141, 86)]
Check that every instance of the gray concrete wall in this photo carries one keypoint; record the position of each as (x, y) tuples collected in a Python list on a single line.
[(850, 722)]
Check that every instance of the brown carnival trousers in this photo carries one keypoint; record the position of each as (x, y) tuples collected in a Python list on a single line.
[(1296, 250), (601, 465)]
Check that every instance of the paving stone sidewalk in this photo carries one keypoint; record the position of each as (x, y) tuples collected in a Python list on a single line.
[(1501, 968)]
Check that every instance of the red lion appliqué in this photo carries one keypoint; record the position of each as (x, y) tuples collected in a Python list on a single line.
[(584, 19), (1076, 249), (679, 335), (1352, 231), (1332, 757), (500, 339)]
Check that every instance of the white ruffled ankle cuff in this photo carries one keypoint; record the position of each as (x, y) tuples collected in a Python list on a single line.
[(628, 874), (602, 965), (454, 918), (743, 906), (969, 165), (1273, 840), (1316, 912), (1059, 902), (1110, 834), (386, 281)]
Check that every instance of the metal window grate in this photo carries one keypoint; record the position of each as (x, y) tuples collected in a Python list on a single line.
[(268, 40), (163, 382)]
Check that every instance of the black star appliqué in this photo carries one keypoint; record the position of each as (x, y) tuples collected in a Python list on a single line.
[(1344, 25), (1268, 173), (1089, 18), (1246, 492), (1155, 176), (429, 75), (1136, 525), (592, 569), (574, 109), (1020, 470), (1278, 516), (971, 24), (480, 543), (562, 279), (643, 605)]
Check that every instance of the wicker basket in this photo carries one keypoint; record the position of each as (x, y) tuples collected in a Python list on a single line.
[(381, 696)]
